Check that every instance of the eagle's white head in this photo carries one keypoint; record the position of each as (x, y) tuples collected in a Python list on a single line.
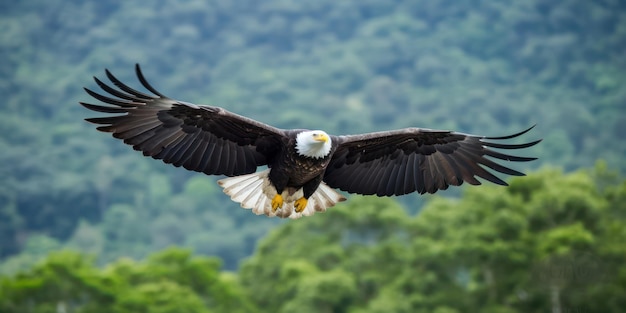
[(313, 144)]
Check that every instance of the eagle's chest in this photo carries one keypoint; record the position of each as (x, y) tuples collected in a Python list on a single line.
[(302, 169)]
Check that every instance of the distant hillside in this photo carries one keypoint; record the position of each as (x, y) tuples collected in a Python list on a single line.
[(480, 67)]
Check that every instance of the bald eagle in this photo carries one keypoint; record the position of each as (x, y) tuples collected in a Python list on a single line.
[(304, 167)]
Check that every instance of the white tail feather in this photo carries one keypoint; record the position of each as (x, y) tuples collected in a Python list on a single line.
[(254, 191)]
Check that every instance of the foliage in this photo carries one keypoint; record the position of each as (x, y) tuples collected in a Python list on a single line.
[(549, 242), (485, 67), (312, 262), (169, 281)]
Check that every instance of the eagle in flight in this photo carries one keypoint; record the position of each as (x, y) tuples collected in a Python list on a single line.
[(304, 167)]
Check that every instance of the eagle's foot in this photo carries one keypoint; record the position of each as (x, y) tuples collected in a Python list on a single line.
[(300, 204), (277, 202)]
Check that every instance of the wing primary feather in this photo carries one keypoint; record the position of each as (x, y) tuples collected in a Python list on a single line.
[(490, 177), (109, 120), (250, 159), (250, 164), (186, 146), (108, 100), (381, 190), (189, 147), (145, 83), (225, 158), (361, 178), (365, 175), (506, 157), (243, 155), (513, 135), (438, 177), (194, 162), (170, 152), (480, 171), (390, 188), (445, 170), (441, 170), (214, 164), (190, 157), (206, 156), (377, 169), (399, 187), (136, 141), (241, 165), (346, 176), (456, 178), (509, 146), (143, 112), (138, 134), (234, 151), (176, 136), (434, 181), (126, 123), (419, 173), (466, 166), (103, 109), (427, 178), (125, 131), (113, 91), (159, 135), (497, 167), (170, 155), (427, 174), (409, 182), (127, 89)]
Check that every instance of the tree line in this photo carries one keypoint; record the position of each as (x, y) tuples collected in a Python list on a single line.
[(480, 67), (548, 242)]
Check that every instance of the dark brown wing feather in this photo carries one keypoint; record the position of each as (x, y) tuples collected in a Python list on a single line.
[(412, 159), (200, 138)]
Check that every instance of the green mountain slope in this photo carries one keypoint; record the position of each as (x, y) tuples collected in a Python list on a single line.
[(352, 66)]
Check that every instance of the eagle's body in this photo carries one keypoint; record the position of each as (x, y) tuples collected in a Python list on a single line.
[(304, 166)]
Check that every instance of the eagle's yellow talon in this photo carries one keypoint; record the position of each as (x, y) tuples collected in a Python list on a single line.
[(300, 204), (277, 202)]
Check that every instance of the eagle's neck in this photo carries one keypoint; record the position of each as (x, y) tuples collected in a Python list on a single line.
[(313, 144)]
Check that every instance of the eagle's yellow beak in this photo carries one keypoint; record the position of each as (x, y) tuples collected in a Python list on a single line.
[(320, 137)]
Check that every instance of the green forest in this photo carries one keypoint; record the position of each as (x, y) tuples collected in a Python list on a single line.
[(89, 225)]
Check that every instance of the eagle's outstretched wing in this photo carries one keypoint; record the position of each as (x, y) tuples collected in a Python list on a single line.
[(413, 159), (200, 138)]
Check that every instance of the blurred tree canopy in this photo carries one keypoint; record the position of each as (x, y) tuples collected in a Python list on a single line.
[(484, 67), (169, 281), (550, 242), (547, 241)]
